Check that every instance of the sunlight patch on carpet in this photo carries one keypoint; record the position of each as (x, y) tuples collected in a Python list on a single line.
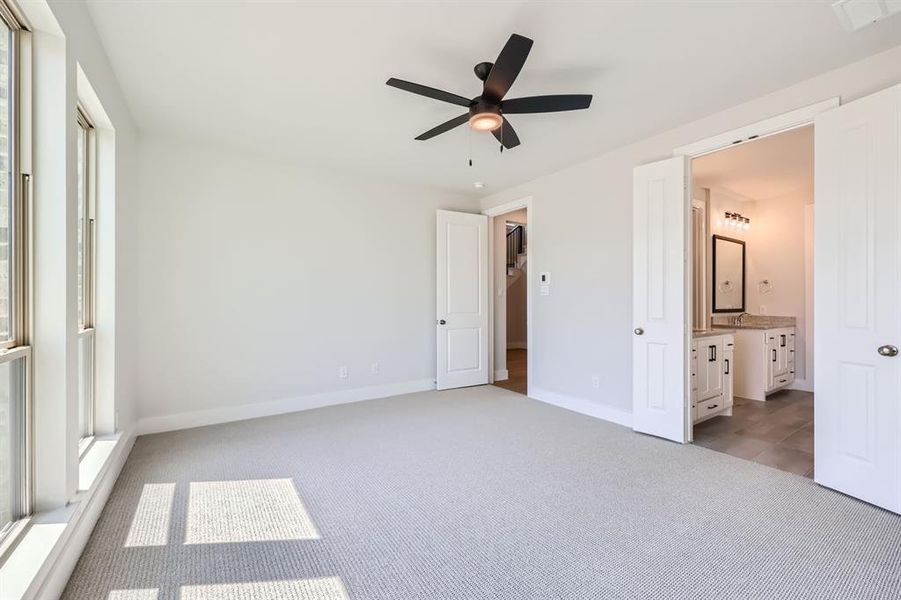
[(141, 594), (256, 510), (150, 525), (321, 588)]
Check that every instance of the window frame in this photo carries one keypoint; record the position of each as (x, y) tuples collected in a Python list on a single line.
[(17, 346), (86, 334)]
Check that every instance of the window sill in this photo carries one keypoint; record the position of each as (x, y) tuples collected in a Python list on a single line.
[(56, 538), (84, 444)]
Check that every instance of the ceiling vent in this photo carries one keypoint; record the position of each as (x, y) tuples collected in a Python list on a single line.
[(857, 14)]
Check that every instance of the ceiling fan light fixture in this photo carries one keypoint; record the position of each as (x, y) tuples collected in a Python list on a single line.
[(485, 121)]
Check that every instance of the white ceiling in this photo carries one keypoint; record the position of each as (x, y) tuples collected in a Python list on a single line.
[(305, 81), (767, 168)]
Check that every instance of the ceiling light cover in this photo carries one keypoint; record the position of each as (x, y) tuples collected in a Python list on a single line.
[(485, 121)]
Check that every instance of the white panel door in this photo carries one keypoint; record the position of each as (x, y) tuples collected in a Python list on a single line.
[(462, 315), (660, 388), (857, 303)]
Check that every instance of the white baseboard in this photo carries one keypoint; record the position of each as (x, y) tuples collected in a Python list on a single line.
[(501, 375), (55, 540), (225, 414), (584, 406), (517, 346)]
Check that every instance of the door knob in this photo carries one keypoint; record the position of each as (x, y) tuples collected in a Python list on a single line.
[(887, 350), (639, 331), (442, 322)]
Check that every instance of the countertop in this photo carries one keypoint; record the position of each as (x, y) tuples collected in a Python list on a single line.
[(754, 322), (702, 333)]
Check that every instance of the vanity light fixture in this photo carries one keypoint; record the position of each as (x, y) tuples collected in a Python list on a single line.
[(736, 221)]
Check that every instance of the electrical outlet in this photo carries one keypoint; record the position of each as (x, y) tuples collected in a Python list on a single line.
[(763, 309), (374, 368), (342, 372), (595, 381)]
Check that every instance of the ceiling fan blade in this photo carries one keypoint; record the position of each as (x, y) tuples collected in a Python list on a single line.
[(428, 92), (507, 66), (455, 122), (506, 135), (546, 104)]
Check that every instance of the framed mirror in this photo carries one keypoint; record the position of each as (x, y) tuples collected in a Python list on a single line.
[(728, 274)]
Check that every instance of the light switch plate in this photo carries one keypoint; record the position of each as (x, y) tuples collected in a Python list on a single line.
[(545, 290)]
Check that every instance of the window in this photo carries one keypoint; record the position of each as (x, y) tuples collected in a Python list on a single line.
[(15, 353), (85, 274)]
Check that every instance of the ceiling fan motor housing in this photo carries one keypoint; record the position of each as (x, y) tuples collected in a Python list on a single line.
[(480, 106)]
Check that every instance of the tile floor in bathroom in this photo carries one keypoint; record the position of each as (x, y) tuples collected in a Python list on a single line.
[(777, 432)]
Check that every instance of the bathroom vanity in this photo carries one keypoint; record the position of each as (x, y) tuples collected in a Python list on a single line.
[(764, 355), (712, 373)]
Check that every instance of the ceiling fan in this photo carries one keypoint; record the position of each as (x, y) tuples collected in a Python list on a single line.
[(486, 111)]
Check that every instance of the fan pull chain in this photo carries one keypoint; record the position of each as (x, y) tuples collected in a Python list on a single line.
[(469, 141)]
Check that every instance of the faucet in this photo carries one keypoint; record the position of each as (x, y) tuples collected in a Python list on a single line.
[(740, 318)]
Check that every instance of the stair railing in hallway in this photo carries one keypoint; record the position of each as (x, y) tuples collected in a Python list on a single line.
[(515, 244)]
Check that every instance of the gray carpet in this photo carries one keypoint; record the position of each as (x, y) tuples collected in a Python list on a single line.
[(470, 494)]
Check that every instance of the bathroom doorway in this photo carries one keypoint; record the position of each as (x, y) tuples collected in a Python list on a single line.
[(752, 255)]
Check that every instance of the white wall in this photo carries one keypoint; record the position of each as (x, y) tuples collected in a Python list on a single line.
[(584, 326), (259, 280)]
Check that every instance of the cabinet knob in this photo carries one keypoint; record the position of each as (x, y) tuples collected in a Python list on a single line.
[(638, 331)]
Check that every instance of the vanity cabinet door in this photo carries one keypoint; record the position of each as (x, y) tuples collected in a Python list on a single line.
[(728, 368), (791, 355), (710, 367), (771, 358), (782, 352)]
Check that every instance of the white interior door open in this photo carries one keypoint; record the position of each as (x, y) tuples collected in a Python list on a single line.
[(462, 315), (659, 342), (857, 299)]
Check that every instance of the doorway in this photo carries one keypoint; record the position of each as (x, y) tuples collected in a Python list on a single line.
[(857, 324), (752, 282), (511, 260)]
